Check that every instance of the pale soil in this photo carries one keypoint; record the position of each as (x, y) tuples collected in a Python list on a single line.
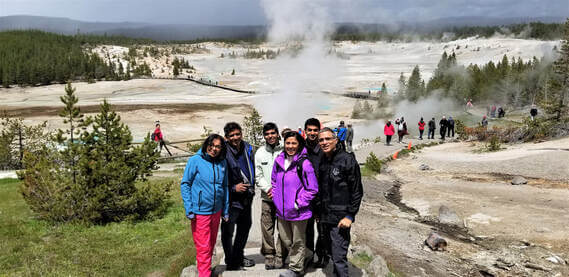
[(511, 227)]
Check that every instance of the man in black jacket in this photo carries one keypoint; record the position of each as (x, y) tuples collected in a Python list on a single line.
[(311, 129), (340, 193), (432, 127), (241, 182), (443, 125)]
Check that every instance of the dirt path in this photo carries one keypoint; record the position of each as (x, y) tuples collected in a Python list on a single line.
[(510, 230)]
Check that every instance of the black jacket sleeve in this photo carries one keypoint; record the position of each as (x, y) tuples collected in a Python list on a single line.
[(357, 191)]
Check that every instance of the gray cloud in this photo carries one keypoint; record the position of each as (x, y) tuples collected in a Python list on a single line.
[(241, 12)]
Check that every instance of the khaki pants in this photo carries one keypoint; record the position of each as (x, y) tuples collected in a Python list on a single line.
[(270, 248), (293, 238)]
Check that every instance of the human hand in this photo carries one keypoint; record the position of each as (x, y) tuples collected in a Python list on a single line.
[(226, 218), (345, 223), (191, 216), (270, 193), (241, 187)]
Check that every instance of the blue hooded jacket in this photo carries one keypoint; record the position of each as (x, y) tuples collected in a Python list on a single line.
[(204, 185)]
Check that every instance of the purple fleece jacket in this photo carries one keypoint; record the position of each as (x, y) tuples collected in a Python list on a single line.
[(288, 188)]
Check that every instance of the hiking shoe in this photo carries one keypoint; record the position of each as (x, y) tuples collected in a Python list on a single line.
[(321, 262), (290, 273), (233, 268), (247, 262), (269, 263), (279, 263)]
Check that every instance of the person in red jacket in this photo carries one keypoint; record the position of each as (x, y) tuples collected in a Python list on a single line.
[(421, 128), (388, 131)]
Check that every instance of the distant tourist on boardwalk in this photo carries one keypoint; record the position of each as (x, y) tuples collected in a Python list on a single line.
[(432, 128), (421, 128), (264, 161), (341, 133), (294, 185), (450, 127), (158, 137), (349, 138), (443, 124), (206, 198), (484, 122), (401, 129), (388, 131), (340, 193), (533, 112)]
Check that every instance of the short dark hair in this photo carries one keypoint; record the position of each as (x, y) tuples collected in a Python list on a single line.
[(270, 126), (230, 127), (209, 141), (327, 129), (313, 122), (298, 137)]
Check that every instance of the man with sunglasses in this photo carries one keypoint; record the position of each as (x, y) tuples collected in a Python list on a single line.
[(340, 193), (264, 160)]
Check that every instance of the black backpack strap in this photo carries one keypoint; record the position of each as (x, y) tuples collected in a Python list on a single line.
[(299, 169)]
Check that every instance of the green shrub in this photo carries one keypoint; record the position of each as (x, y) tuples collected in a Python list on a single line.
[(194, 147), (99, 178), (493, 144), (373, 163)]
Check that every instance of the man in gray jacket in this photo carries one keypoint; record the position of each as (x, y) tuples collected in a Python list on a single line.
[(264, 159), (349, 138)]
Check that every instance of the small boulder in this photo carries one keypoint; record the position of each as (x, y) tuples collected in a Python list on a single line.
[(425, 167), (449, 217), (519, 180), (436, 242), (190, 271), (378, 267)]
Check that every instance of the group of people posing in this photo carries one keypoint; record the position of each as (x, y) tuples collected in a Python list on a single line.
[(400, 127), (304, 181)]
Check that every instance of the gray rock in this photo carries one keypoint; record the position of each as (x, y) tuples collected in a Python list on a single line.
[(378, 267), (190, 271), (425, 167), (447, 216), (519, 180)]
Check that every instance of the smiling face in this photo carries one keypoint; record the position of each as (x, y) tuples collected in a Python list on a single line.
[(214, 148), (234, 138), (327, 142), (312, 132), (291, 146), (271, 137)]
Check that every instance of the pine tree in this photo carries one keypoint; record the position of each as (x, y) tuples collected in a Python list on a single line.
[(72, 116), (558, 85), (110, 167), (357, 111), (415, 85), (253, 128)]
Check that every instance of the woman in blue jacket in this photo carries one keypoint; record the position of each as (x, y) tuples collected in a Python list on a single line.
[(206, 198)]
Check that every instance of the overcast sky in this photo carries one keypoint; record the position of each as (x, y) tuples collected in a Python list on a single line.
[(243, 12)]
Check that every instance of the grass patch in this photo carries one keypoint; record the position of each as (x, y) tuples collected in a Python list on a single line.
[(361, 260), (35, 247), (365, 171)]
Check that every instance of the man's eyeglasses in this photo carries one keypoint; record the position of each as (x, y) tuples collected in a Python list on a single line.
[(326, 139), (270, 133)]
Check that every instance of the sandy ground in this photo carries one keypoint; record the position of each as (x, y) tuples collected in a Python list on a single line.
[(510, 230)]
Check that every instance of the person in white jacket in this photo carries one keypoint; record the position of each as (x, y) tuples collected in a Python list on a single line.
[(264, 160)]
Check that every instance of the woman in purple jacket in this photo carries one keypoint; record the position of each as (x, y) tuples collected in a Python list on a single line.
[(294, 186)]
